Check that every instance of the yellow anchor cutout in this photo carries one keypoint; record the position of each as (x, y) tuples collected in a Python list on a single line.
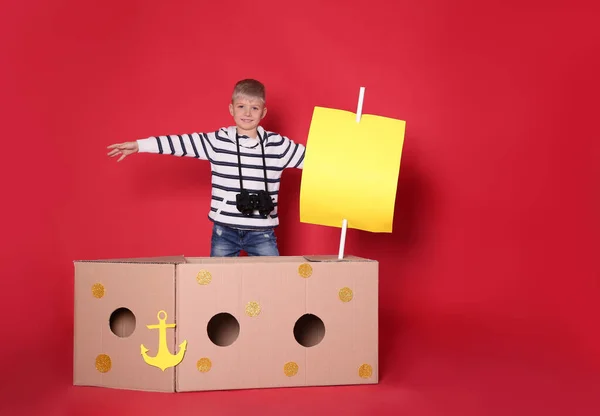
[(163, 359)]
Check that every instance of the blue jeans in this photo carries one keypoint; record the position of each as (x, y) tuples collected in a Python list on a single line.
[(228, 242)]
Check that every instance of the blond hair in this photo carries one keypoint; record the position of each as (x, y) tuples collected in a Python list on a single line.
[(249, 88)]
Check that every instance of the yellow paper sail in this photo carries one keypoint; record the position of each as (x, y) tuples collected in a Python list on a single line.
[(351, 170)]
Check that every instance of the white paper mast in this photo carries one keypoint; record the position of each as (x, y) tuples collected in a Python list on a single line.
[(361, 97)]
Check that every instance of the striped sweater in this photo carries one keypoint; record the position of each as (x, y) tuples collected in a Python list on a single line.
[(220, 149)]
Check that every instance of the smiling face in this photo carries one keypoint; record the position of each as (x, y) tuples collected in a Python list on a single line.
[(247, 112)]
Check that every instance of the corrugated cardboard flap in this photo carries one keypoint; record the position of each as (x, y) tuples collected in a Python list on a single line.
[(143, 260)]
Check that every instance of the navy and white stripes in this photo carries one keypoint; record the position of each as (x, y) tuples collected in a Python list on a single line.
[(219, 148)]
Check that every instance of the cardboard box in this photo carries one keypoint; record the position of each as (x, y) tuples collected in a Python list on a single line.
[(235, 323)]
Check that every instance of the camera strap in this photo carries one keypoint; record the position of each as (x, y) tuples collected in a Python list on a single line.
[(232, 131)]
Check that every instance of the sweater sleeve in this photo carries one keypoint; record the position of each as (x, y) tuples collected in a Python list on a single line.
[(189, 145), (293, 154)]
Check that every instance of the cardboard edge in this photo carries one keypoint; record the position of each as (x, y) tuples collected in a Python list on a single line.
[(175, 383), (378, 331), (321, 258), (136, 389), (180, 259)]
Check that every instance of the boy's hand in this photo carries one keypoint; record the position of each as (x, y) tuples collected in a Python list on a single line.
[(123, 149)]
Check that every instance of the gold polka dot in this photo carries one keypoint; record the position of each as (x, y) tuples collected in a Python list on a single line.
[(252, 308), (103, 363), (204, 365), (98, 290), (204, 277), (365, 371), (305, 270), (346, 294), (290, 369)]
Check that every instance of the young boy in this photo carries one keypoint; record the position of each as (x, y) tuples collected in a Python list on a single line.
[(246, 163)]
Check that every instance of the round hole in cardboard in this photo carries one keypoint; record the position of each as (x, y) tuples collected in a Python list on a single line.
[(122, 322), (309, 330), (223, 329)]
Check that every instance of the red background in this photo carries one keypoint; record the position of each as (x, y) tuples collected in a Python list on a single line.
[(489, 285)]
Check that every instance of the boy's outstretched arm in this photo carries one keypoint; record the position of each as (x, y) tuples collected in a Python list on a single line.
[(190, 145)]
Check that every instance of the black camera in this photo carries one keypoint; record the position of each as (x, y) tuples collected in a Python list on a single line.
[(247, 203)]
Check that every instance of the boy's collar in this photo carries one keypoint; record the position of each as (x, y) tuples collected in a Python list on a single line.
[(232, 132)]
